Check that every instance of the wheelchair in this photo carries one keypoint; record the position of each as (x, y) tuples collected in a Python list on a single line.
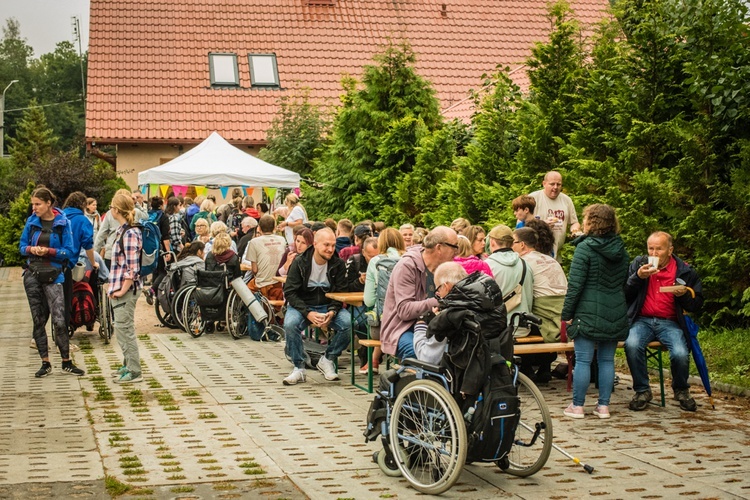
[(165, 295), (239, 320), (104, 312), (204, 303), (424, 431)]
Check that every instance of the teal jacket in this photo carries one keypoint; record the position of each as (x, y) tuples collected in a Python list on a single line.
[(596, 289)]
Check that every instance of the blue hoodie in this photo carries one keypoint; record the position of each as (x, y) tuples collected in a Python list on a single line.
[(83, 232), (60, 240)]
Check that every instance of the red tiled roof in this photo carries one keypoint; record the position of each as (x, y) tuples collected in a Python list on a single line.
[(148, 72)]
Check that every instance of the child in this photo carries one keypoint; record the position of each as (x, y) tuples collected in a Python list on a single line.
[(523, 209)]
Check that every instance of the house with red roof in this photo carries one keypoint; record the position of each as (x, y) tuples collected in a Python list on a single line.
[(163, 75)]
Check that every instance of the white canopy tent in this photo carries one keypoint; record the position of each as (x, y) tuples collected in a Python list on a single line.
[(215, 162)]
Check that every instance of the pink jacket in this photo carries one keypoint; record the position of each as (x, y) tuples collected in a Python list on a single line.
[(405, 300), (474, 263)]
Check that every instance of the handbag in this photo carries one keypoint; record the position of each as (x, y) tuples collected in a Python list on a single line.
[(513, 299), (44, 272)]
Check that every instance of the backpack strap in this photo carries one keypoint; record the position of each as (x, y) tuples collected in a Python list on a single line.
[(523, 273)]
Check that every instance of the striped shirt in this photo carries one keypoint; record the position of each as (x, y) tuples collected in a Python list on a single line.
[(126, 265)]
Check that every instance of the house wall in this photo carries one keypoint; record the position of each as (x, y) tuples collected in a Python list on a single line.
[(135, 158)]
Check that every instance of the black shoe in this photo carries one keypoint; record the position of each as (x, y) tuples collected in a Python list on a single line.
[(640, 400), (686, 402), (70, 368), (560, 371), (149, 296), (45, 370), (542, 377)]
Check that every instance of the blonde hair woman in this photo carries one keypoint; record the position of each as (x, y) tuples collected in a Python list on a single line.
[(124, 283), (221, 255), (460, 225), (468, 260), (206, 212), (297, 216)]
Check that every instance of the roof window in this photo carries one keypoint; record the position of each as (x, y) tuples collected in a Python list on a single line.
[(223, 69), (263, 70)]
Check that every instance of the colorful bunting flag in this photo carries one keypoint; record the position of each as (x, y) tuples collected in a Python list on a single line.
[(270, 192), (248, 191), (180, 190), (153, 189), (297, 191), (144, 189), (224, 190), (164, 188), (201, 190)]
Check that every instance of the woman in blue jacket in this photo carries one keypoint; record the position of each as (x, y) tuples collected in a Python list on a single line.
[(47, 241)]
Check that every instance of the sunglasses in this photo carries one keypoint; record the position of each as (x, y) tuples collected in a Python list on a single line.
[(454, 247)]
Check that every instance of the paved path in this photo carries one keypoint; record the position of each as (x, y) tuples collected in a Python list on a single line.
[(212, 419)]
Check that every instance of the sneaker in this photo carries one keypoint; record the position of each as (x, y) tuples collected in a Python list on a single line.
[(45, 370), (32, 345), (327, 368), (129, 378), (149, 296), (296, 377), (120, 372), (686, 402), (70, 368), (601, 411), (640, 400), (573, 411)]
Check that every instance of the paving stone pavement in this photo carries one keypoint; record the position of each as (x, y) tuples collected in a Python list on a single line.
[(212, 420)]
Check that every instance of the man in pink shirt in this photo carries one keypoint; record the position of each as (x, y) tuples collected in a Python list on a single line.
[(657, 315)]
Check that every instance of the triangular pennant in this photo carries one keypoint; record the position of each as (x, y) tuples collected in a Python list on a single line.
[(270, 192), (180, 190), (297, 191), (144, 189), (153, 189), (201, 190), (248, 191), (224, 190), (164, 188)]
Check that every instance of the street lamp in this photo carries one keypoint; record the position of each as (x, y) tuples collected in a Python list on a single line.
[(2, 118)]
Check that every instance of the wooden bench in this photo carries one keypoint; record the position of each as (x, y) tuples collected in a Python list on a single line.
[(370, 344), (653, 353)]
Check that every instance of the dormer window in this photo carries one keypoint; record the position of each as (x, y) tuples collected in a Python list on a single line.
[(263, 70), (223, 69)]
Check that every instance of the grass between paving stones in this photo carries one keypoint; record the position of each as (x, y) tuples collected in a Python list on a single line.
[(250, 465), (131, 466), (102, 390), (115, 487), (166, 401), (182, 489)]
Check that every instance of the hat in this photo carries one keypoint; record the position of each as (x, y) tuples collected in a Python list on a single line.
[(362, 230), (317, 226), (500, 232)]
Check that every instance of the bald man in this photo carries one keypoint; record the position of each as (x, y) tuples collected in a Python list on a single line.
[(317, 271), (406, 297), (556, 208)]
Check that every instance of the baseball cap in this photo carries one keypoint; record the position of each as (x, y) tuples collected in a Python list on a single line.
[(500, 232), (362, 230)]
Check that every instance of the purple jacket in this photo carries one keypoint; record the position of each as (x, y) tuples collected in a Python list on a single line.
[(405, 300), (474, 263)]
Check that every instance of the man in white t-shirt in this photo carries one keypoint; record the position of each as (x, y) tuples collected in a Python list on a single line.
[(263, 256), (556, 208)]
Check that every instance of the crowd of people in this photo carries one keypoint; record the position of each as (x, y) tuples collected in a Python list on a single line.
[(406, 274)]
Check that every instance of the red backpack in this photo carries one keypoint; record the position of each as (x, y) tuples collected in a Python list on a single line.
[(82, 310)]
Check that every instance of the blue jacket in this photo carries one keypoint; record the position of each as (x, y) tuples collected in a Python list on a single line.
[(83, 232), (60, 240)]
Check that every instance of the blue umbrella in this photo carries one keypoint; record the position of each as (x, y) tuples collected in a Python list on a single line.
[(700, 361)]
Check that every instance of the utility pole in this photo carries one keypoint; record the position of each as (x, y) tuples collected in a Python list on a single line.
[(76, 25), (2, 119)]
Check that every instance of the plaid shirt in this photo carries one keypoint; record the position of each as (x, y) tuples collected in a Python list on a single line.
[(126, 265), (175, 226)]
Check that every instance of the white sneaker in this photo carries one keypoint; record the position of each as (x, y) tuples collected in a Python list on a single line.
[(296, 377), (326, 367)]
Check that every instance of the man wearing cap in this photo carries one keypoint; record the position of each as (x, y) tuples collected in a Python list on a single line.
[(556, 207), (406, 298), (361, 233), (510, 270), (658, 315)]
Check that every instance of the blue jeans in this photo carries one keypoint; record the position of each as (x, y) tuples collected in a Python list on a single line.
[(605, 356), (294, 323), (405, 348), (669, 333)]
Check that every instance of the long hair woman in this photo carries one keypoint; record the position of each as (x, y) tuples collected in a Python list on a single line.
[(297, 216), (124, 283), (595, 308), (47, 242)]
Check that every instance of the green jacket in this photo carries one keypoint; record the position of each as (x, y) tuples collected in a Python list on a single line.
[(596, 289)]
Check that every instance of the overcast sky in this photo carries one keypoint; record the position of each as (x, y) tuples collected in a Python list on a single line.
[(44, 23)]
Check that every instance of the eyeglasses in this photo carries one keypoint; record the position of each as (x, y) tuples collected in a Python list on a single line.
[(437, 290), (453, 246)]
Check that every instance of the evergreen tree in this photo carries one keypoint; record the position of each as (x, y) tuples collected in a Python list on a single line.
[(34, 141)]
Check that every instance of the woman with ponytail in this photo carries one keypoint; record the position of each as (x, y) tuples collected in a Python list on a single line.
[(47, 241), (189, 261), (124, 283)]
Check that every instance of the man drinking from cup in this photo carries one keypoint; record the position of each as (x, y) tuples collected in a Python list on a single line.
[(660, 287)]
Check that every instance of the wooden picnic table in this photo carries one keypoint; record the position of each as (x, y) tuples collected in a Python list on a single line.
[(357, 300)]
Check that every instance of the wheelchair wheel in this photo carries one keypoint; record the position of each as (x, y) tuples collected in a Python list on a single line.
[(165, 317), (387, 464), (533, 440), (427, 428), (191, 316), (106, 326), (178, 306), (236, 316)]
